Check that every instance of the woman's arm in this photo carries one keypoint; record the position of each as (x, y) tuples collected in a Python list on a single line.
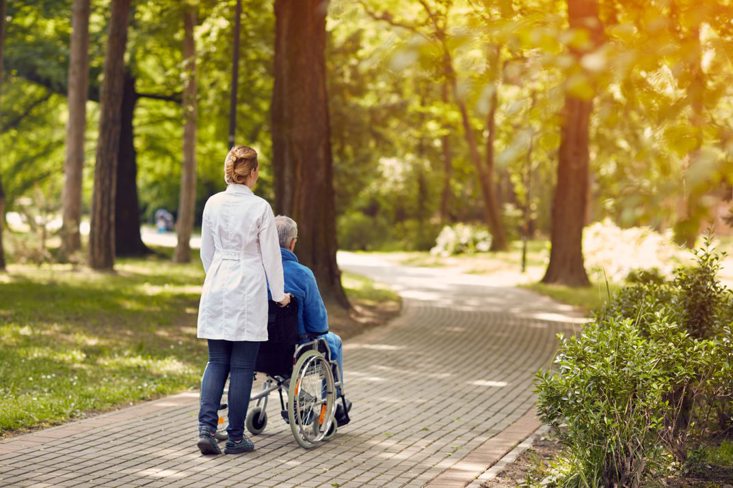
[(271, 259), (207, 239)]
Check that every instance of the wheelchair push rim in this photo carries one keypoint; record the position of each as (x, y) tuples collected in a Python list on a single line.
[(311, 399)]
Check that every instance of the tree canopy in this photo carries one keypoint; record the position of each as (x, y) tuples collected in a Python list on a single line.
[(407, 81)]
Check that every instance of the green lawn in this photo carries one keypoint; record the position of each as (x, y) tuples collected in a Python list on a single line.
[(509, 263), (76, 342), (586, 299)]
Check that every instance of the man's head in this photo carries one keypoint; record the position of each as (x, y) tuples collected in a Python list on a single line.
[(287, 232)]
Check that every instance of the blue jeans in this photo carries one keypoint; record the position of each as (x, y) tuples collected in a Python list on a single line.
[(336, 347), (225, 357)]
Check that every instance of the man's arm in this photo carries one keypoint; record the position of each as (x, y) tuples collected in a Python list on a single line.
[(315, 316)]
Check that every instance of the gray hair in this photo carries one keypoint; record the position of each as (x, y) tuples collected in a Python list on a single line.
[(287, 230)]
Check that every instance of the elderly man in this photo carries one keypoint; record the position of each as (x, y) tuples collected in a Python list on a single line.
[(312, 316)]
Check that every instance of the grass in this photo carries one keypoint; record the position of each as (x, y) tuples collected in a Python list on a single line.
[(484, 263), (509, 263), (722, 455), (587, 299), (75, 342), (366, 292)]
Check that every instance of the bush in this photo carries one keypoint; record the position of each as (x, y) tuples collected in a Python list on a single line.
[(416, 235), (651, 276), (650, 377), (360, 232), (461, 239), (613, 253), (609, 391)]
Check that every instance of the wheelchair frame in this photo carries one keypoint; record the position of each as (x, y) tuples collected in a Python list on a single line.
[(310, 414)]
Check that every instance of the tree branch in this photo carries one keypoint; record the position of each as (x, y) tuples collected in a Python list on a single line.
[(12, 124), (174, 98), (29, 73), (387, 18)]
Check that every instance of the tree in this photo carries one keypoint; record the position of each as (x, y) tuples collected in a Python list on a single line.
[(570, 202), (3, 7), (438, 33), (187, 198), (128, 241), (102, 234), (235, 74), (78, 86), (301, 138)]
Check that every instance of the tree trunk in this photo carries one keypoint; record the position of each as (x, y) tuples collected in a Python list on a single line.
[(187, 196), (284, 172), (128, 241), (301, 138), (2, 225), (446, 194), (3, 7), (3, 14), (491, 210), (78, 86), (571, 193), (102, 235), (498, 234), (235, 75), (486, 181)]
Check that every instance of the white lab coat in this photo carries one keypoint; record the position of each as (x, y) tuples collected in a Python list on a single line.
[(241, 255)]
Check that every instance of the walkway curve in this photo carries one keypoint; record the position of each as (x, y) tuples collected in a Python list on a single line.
[(435, 392)]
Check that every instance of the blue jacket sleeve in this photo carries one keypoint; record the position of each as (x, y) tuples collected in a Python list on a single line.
[(315, 316)]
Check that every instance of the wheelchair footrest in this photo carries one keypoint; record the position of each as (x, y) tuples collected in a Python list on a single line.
[(342, 412)]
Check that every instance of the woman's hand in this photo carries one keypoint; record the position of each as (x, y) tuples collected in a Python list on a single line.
[(285, 301)]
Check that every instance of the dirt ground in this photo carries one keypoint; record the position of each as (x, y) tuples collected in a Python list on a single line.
[(361, 317), (528, 470)]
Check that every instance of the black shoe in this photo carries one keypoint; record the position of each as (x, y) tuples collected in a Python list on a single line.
[(238, 447), (342, 415), (207, 443), (306, 419)]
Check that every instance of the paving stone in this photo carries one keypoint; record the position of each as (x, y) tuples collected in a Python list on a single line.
[(439, 394)]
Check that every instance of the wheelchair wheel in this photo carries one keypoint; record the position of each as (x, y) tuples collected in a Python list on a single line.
[(331, 431), (221, 429), (311, 399), (256, 420)]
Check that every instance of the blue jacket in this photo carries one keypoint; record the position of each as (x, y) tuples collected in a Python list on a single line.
[(301, 283)]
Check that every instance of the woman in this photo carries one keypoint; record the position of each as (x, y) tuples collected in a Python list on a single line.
[(241, 256)]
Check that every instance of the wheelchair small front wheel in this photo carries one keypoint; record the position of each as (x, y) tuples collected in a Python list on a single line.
[(256, 420), (331, 431)]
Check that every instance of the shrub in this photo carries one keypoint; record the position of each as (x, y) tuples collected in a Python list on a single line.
[(461, 239), (416, 235), (360, 232), (702, 298), (651, 376), (645, 276), (609, 392), (613, 252)]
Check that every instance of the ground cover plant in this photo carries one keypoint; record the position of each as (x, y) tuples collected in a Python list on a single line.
[(74, 342), (646, 383)]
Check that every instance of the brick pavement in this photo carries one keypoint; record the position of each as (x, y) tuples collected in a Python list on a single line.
[(440, 394)]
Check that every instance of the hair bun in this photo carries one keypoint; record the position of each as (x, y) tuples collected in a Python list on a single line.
[(239, 164)]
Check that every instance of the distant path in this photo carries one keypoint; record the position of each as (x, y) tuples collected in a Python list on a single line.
[(439, 394)]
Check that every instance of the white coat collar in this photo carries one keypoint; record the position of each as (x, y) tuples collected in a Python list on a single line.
[(238, 189)]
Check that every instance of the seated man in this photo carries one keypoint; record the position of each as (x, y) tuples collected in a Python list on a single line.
[(312, 316)]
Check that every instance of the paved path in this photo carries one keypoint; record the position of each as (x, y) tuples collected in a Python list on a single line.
[(440, 394)]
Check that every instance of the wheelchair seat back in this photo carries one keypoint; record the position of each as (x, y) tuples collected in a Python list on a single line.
[(276, 355)]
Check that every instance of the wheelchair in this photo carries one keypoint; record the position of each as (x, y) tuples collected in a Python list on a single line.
[(306, 371)]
